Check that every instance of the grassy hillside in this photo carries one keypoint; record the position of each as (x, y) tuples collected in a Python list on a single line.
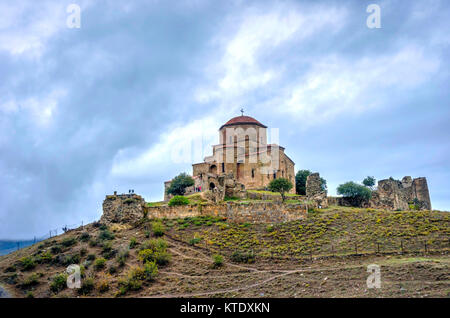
[(325, 255)]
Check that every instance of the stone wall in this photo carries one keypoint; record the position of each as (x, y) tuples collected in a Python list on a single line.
[(254, 212), (129, 208)]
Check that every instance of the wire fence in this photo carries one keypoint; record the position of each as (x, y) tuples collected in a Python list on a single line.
[(417, 245), (54, 232)]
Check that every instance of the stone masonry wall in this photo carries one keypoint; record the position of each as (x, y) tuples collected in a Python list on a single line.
[(235, 212), (130, 208)]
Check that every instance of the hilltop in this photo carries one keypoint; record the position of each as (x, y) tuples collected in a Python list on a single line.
[(324, 255)]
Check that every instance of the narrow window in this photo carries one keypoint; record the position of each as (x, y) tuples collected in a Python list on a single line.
[(274, 175), (253, 173), (223, 166)]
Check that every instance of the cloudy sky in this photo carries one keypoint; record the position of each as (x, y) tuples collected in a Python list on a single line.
[(127, 100)]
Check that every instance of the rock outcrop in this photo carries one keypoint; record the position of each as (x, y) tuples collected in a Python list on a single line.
[(122, 208)]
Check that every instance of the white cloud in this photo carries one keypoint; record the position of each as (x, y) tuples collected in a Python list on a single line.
[(260, 32), (337, 85), (40, 109), (182, 144)]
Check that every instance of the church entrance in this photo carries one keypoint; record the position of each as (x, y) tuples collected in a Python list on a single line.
[(239, 171)]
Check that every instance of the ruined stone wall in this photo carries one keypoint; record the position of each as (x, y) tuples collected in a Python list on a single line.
[(122, 208), (399, 195), (235, 212), (314, 191), (313, 184), (421, 192)]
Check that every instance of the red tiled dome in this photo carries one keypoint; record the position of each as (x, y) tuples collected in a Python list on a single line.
[(242, 120)]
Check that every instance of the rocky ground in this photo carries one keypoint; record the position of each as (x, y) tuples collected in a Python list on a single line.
[(324, 256)]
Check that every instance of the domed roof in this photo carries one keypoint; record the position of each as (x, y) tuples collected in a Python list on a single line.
[(242, 120)]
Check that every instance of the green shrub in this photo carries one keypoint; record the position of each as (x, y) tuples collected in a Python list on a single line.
[(158, 229), (71, 259), (29, 294), (122, 256), (58, 283), (232, 198), (269, 228), (27, 263), (103, 227), (195, 240), (87, 286), (162, 258), (68, 241), (91, 257), (112, 269), (178, 200), (56, 249), (45, 257), (150, 270), (146, 255), (243, 256), (10, 269), (158, 244), (133, 243), (99, 263), (85, 236), (107, 251), (136, 275), (106, 235), (83, 251), (217, 261), (31, 280)]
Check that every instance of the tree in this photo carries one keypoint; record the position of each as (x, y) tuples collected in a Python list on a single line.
[(300, 181), (281, 185), (323, 184), (355, 192), (179, 184), (369, 181)]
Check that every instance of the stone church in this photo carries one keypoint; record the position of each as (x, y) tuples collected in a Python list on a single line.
[(242, 158)]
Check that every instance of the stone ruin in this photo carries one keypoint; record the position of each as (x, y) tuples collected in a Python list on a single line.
[(314, 191), (121, 208), (399, 195), (222, 186), (394, 194)]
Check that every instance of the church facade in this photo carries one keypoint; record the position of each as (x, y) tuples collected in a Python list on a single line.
[(244, 154)]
